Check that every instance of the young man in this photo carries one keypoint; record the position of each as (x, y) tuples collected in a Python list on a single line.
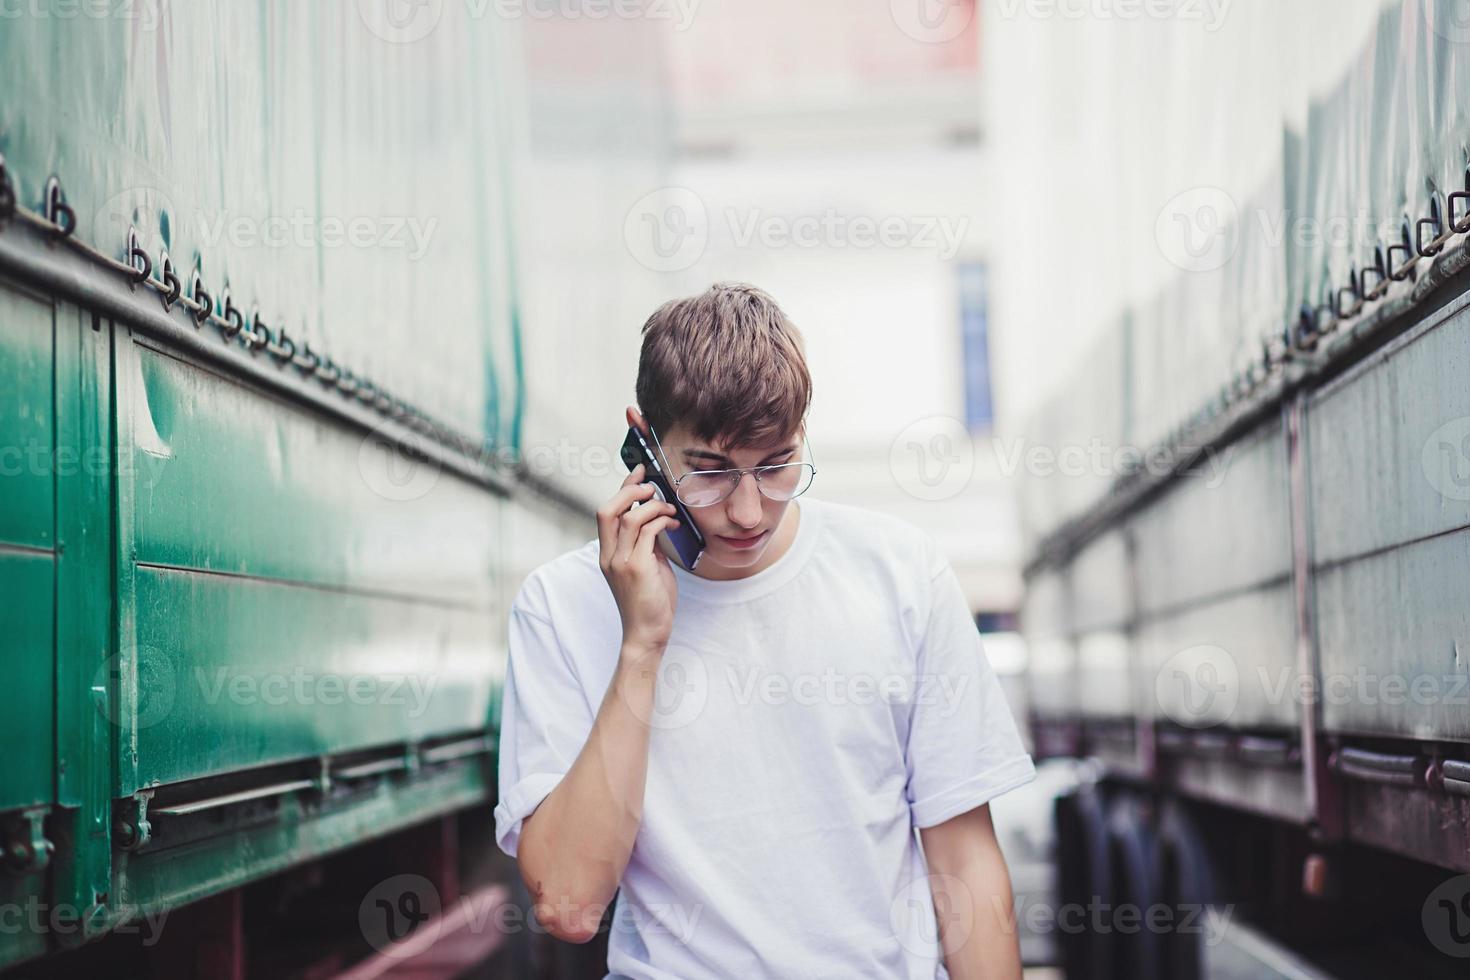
[(748, 749)]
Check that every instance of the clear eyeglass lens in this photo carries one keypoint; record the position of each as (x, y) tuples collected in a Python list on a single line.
[(781, 482)]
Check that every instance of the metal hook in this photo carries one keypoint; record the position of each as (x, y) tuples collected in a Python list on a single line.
[(137, 255), (175, 289), (201, 298), (56, 208)]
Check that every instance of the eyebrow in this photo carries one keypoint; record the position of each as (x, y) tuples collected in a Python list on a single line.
[(705, 455)]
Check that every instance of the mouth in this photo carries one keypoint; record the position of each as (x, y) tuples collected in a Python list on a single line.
[(742, 543)]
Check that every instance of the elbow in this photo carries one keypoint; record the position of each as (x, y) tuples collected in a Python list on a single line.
[(567, 919)]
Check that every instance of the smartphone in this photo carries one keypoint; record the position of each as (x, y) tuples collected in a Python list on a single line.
[(687, 541)]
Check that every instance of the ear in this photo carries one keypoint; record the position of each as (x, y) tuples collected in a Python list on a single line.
[(635, 419)]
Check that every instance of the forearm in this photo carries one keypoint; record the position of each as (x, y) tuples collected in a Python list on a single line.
[(991, 950), (576, 845), (973, 901)]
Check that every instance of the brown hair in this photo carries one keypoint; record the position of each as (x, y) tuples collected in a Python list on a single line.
[(728, 364)]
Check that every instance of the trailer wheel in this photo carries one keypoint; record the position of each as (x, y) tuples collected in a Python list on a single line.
[(1187, 884), (1084, 883), (1138, 947)]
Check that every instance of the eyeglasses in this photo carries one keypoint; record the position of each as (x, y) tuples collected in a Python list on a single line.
[(705, 488)]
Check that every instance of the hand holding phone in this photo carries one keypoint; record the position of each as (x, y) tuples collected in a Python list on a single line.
[(686, 539), (639, 575)]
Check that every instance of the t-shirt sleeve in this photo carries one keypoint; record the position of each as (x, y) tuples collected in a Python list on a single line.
[(964, 748), (544, 722)]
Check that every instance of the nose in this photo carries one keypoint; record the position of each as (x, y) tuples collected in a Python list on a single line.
[(744, 506)]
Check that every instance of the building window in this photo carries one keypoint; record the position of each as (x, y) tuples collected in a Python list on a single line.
[(974, 329)]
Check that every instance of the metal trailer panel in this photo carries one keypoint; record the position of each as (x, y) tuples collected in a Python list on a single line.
[(1389, 445), (1102, 588), (27, 439), (280, 148), (28, 460), (1102, 610), (1046, 619), (1393, 629), (1229, 662), (1105, 686), (237, 673), (1224, 528), (230, 480)]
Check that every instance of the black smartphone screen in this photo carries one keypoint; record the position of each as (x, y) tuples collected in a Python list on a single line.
[(687, 541)]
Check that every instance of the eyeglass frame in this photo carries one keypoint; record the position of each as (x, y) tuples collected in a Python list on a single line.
[(741, 470)]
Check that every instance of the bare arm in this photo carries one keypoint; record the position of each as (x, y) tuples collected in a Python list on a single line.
[(575, 846), (972, 898)]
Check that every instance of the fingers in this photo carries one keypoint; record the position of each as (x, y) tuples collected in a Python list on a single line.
[(609, 513), (633, 522), (643, 547), (619, 522)]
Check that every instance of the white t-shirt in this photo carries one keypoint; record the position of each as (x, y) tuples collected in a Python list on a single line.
[(808, 718)]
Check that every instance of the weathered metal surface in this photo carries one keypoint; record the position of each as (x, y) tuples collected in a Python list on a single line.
[(162, 877), (1389, 445), (238, 672), (282, 149), (1224, 528), (1229, 662), (1393, 630), (225, 480), (27, 451), (1101, 577)]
